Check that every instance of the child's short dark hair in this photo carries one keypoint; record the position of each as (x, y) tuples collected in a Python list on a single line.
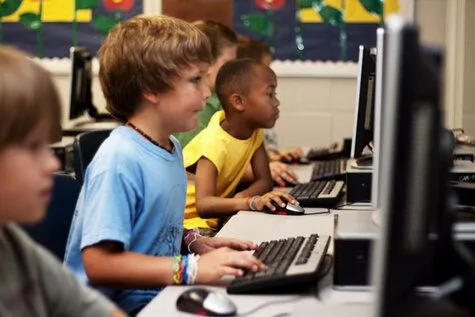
[(27, 96), (219, 35), (145, 54), (250, 48), (234, 77)]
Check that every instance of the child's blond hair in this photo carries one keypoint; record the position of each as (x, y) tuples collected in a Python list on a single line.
[(145, 54), (27, 96)]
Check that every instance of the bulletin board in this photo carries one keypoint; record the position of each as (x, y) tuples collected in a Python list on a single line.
[(317, 30), (48, 28)]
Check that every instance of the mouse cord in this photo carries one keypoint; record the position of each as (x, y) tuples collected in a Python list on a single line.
[(270, 303)]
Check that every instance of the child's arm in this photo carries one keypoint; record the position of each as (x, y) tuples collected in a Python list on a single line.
[(208, 204), (106, 263), (262, 182)]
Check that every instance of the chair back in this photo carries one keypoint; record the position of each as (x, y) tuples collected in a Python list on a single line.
[(84, 148), (52, 232)]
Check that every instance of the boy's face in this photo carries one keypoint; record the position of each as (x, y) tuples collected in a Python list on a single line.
[(26, 177), (181, 105), (261, 104), (228, 53)]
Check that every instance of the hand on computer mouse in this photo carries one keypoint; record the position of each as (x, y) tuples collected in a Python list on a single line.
[(275, 197), (289, 209), (282, 174)]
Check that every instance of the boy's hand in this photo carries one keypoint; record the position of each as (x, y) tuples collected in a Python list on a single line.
[(281, 172), (224, 261), (279, 197), (287, 156), (206, 244)]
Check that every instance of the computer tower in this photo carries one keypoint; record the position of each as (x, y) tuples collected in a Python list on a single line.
[(358, 183), (355, 231)]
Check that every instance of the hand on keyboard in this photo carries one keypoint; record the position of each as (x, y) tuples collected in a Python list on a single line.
[(464, 139), (216, 264), (289, 261), (282, 175), (290, 156)]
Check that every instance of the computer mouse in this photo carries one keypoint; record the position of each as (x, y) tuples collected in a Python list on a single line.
[(204, 302), (289, 209)]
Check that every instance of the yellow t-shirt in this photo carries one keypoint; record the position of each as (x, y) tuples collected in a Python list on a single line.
[(231, 156)]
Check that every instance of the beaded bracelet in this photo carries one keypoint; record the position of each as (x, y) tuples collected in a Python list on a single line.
[(177, 270), (185, 269), (192, 268)]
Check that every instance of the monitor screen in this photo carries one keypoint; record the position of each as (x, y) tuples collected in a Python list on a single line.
[(81, 82), (365, 97), (414, 170)]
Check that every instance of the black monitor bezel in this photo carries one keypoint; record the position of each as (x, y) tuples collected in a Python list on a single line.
[(413, 177), (364, 112), (80, 101)]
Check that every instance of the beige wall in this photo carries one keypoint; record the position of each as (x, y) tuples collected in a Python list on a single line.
[(431, 17), (469, 69), (315, 111), (317, 100)]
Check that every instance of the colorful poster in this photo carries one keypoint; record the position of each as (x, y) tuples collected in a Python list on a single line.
[(313, 29), (48, 28)]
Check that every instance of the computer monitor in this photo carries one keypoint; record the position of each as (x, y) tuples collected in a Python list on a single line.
[(378, 120), (414, 172), (434, 55), (81, 98), (365, 95)]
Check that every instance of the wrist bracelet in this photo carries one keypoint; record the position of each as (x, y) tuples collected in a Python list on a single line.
[(177, 270), (192, 269), (248, 203), (195, 237), (251, 202)]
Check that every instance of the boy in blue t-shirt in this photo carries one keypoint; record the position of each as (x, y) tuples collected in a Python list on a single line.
[(126, 234)]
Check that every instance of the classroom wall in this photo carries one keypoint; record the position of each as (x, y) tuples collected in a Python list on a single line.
[(469, 69), (318, 99)]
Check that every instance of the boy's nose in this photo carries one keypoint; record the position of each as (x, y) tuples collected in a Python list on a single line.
[(206, 91), (52, 163)]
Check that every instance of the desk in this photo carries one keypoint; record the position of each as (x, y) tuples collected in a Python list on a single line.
[(250, 225)]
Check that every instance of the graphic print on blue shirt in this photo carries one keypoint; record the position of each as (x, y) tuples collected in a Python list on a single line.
[(134, 193)]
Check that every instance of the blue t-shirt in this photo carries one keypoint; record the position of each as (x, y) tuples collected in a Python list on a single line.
[(133, 193)]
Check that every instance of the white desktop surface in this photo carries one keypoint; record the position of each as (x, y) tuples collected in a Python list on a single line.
[(257, 227)]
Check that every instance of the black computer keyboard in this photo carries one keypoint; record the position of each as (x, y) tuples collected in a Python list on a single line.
[(335, 150), (328, 170), (289, 261), (318, 193)]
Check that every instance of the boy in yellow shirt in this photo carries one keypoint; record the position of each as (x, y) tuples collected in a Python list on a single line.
[(216, 159)]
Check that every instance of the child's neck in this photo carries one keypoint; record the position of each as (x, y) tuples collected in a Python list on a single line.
[(153, 129), (236, 129)]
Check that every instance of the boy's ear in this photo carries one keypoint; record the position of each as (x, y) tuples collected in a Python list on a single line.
[(151, 97), (237, 101)]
